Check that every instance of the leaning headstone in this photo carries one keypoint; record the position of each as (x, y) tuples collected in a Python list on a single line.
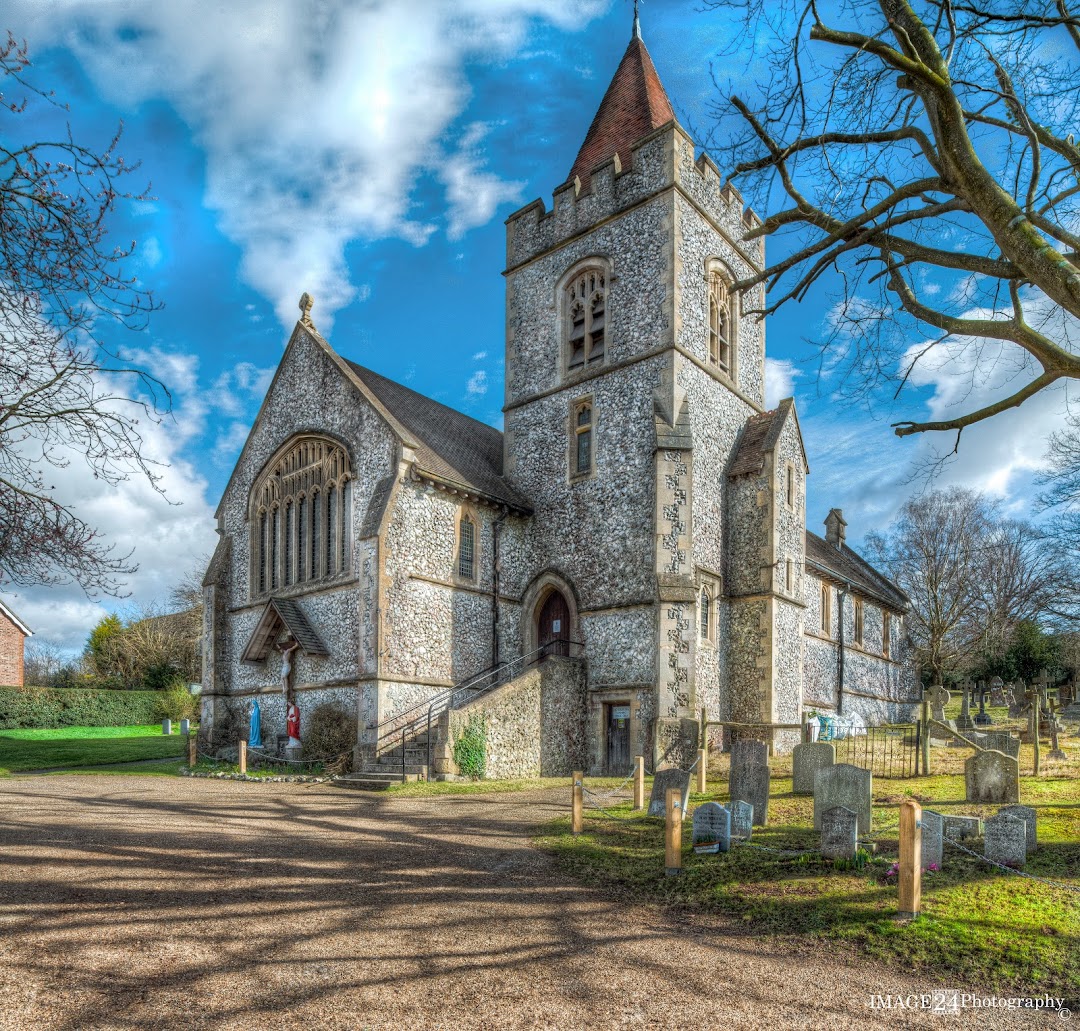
[(1004, 840), (711, 828), (166, 727), (185, 726), (742, 820), (844, 785), (1029, 816), (664, 781), (933, 844), (749, 777), (992, 777), (806, 760), (957, 828), (839, 833)]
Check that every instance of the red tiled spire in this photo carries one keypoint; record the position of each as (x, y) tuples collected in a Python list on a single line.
[(635, 103)]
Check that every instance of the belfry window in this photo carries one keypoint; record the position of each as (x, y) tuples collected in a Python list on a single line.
[(300, 517), (586, 318), (723, 303)]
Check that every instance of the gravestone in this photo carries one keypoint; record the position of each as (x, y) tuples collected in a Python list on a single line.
[(742, 820), (933, 840), (938, 698), (1002, 741), (964, 720), (992, 777), (711, 828), (806, 760), (839, 833), (1018, 700), (1004, 840), (664, 781), (997, 693), (1031, 829), (844, 785), (958, 828), (185, 726), (749, 778), (166, 727)]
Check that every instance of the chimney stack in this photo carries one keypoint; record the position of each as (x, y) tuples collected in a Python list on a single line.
[(835, 528)]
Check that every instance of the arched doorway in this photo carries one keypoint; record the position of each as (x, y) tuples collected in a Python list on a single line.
[(553, 624)]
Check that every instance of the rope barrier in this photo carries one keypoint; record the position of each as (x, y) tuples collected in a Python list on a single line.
[(293, 762), (600, 808), (1009, 869)]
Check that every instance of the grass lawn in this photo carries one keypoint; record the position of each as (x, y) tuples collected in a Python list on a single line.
[(978, 927), (23, 750)]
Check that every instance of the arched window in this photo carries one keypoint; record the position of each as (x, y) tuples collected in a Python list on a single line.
[(723, 305), (706, 614), (467, 548), (585, 308), (826, 610), (859, 621), (301, 516), (581, 438)]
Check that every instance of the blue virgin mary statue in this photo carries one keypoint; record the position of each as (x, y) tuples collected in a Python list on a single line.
[(255, 726)]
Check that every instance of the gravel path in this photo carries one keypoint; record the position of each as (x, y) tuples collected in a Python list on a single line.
[(143, 902)]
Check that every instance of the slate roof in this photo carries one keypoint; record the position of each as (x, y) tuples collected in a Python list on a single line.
[(282, 612), (847, 565), (758, 438), (452, 447), (635, 103)]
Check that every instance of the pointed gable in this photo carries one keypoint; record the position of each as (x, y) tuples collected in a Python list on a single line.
[(759, 437), (635, 103), (282, 614)]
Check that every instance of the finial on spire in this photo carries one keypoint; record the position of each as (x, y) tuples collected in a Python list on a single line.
[(306, 304), (637, 23)]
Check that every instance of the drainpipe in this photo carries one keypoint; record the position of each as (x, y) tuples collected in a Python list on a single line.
[(841, 595), (496, 534)]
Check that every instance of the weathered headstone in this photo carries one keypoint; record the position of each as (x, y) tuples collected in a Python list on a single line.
[(992, 777), (166, 727), (844, 785), (749, 777), (806, 760), (938, 698), (964, 720), (742, 820), (933, 843), (711, 828), (1002, 741), (1004, 840), (997, 693), (1030, 818), (185, 726), (839, 833), (664, 781), (1018, 699), (958, 828)]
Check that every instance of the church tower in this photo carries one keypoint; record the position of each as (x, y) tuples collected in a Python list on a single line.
[(631, 370)]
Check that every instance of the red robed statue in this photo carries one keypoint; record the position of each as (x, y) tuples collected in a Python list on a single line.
[(292, 721)]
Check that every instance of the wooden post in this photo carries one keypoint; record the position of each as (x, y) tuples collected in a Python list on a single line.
[(805, 720), (910, 860), (577, 801), (673, 833), (191, 750), (242, 757), (639, 782), (1035, 733), (702, 764)]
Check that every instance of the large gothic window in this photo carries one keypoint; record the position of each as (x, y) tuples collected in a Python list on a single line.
[(585, 307), (723, 305), (301, 516)]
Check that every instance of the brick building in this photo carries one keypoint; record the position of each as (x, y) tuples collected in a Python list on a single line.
[(640, 521), (13, 635)]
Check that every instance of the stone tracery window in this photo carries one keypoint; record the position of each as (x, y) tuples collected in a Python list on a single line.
[(723, 307), (467, 548), (300, 516), (581, 438), (585, 306)]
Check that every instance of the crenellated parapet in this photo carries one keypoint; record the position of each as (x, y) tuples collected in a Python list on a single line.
[(660, 160)]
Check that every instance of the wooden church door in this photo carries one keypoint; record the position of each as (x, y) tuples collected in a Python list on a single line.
[(553, 628)]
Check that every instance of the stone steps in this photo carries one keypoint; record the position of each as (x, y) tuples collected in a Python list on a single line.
[(375, 781)]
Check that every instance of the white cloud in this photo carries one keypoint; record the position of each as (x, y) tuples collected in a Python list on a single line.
[(478, 384), (479, 356), (316, 120), (780, 376)]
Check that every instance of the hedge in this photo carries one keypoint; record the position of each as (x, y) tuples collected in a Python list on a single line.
[(25, 707)]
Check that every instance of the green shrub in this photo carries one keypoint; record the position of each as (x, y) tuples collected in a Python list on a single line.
[(26, 707), (328, 732), (470, 749), (177, 703)]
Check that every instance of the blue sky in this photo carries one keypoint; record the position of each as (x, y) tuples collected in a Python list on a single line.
[(369, 154)]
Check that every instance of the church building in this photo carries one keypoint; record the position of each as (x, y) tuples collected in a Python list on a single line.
[(630, 550)]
